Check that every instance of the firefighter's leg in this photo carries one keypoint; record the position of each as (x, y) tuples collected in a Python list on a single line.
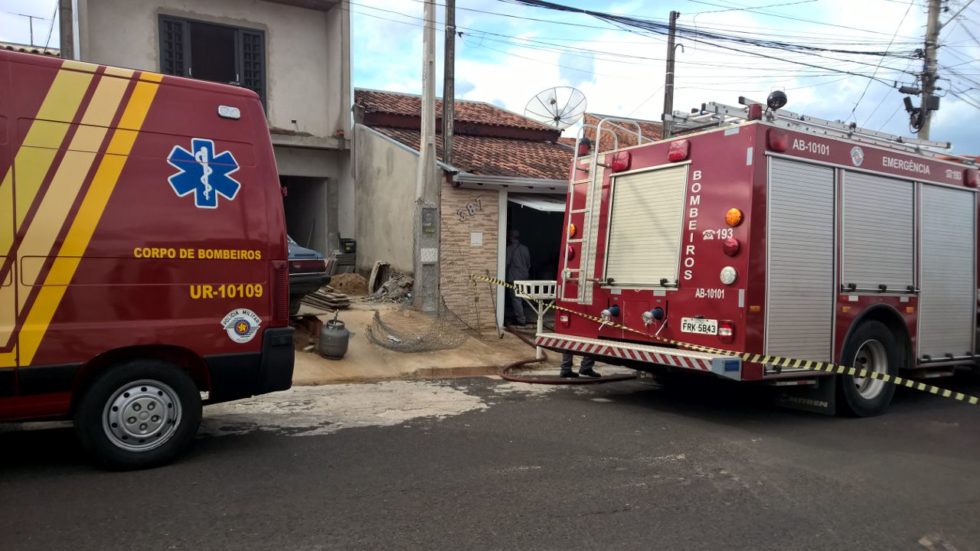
[(587, 367), (566, 365)]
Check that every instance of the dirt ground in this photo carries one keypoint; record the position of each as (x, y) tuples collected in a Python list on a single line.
[(367, 361)]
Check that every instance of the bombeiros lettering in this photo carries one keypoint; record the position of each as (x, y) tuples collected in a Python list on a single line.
[(693, 211)]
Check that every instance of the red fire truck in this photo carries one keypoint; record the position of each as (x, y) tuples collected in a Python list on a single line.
[(767, 232), (143, 262)]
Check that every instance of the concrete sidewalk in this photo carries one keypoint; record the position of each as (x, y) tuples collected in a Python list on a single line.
[(366, 361)]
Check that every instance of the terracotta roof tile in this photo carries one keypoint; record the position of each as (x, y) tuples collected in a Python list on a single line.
[(498, 156), (477, 112), (27, 49)]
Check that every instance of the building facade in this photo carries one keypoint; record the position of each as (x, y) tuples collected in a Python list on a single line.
[(295, 54), (507, 173)]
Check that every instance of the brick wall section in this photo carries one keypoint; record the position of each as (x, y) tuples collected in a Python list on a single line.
[(465, 212)]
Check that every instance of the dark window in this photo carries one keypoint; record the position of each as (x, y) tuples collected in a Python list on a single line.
[(218, 53)]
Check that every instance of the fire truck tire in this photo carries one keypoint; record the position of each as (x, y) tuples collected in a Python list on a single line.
[(138, 414), (871, 346)]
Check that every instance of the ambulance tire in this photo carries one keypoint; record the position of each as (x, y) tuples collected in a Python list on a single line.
[(871, 346), (294, 305), (138, 414)]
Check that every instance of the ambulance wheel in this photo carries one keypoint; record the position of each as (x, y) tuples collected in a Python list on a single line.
[(873, 347), (138, 414)]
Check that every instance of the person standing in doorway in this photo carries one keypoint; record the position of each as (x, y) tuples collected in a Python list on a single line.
[(518, 268)]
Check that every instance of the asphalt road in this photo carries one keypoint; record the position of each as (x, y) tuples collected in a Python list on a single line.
[(477, 463)]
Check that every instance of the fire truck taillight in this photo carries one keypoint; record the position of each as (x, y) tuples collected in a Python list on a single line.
[(970, 177), (726, 331), (734, 217), (621, 161), (731, 246), (678, 151), (728, 275), (572, 230), (755, 112), (569, 252), (777, 140)]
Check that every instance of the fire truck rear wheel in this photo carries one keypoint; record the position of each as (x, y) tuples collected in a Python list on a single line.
[(138, 414), (873, 347)]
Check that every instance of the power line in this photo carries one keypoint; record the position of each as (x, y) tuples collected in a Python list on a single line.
[(613, 57), (868, 84), (780, 16), (757, 7)]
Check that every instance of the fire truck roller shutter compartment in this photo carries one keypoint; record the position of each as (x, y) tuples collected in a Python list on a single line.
[(645, 227), (800, 276), (879, 234), (947, 303)]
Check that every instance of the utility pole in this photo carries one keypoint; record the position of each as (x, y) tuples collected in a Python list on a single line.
[(428, 188), (449, 83), (929, 102), (669, 78), (66, 19)]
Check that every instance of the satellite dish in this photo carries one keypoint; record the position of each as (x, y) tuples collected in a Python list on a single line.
[(558, 107)]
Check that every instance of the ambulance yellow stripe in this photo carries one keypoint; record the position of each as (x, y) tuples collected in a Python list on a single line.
[(31, 163), (90, 212), (39, 240), (45, 136)]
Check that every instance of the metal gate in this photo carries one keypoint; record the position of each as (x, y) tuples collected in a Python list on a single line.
[(947, 302), (800, 251)]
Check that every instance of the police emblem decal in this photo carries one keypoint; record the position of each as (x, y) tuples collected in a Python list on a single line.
[(203, 173), (857, 155), (241, 324)]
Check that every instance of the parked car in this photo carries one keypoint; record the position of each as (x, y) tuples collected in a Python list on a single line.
[(307, 273)]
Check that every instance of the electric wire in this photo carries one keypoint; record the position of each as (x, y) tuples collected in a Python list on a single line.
[(868, 84)]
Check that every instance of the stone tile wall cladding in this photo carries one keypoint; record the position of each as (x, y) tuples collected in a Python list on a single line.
[(469, 247)]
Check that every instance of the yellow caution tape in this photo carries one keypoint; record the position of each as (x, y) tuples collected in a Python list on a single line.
[(777, 361)]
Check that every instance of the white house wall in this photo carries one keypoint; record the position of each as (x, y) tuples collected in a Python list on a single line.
[(307, 51), (385, 175)]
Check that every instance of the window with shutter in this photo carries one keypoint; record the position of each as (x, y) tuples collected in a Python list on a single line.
[(172, 50), (253, 62), (214, 52)]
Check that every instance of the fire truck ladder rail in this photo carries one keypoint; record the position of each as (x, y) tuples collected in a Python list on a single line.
[(714, 114), (593, 197)]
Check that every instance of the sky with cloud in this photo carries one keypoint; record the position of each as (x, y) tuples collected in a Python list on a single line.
[(507, 53)]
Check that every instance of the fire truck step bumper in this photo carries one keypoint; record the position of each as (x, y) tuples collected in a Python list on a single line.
[(723, 366)]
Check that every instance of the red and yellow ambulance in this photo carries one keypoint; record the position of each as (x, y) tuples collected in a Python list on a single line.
[(143, 259)]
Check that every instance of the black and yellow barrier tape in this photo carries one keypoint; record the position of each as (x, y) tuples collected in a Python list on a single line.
[(776, 361)]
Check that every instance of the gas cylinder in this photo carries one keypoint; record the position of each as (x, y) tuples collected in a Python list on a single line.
[(334, 338)]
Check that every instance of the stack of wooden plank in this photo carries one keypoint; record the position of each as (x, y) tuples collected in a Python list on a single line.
[(328, 298)]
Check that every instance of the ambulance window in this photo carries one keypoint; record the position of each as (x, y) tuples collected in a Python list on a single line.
[(217, 53)]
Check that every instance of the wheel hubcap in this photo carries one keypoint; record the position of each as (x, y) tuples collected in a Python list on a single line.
[(142, 415), (871, 356)]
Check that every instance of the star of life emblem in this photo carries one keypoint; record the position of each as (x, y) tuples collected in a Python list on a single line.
[(203, 173)]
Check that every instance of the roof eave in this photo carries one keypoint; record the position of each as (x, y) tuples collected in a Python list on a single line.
[(520, 184)]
